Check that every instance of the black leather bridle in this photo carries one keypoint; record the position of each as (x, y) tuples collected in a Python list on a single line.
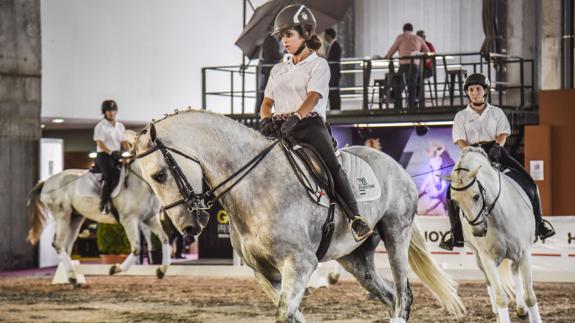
[(193, 201), (485, 208)]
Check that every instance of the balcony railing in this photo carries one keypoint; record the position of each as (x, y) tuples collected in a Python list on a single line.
[(373, 85)]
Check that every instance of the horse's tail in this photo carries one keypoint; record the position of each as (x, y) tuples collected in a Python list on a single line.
[(36, 213), (443, 287)]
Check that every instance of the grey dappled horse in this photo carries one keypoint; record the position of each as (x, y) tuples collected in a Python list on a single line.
[(136, 204), (275, 227), (500, 225)]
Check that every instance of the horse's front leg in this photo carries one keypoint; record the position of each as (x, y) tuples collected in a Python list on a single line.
[(530, 298), (156, 227), (296, 272), (492, 274), (133, 234)]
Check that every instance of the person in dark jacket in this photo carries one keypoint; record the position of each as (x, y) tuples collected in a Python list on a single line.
[(333, 56)]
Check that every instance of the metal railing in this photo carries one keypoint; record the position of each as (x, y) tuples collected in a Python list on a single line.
[(369, 86)]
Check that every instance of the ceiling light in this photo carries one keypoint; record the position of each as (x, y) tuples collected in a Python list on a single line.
[(404, 124), (58, 120), (93, 155)]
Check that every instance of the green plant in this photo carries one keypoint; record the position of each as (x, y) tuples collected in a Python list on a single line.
[(112, 239)]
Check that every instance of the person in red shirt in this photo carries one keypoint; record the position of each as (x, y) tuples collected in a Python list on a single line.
[(408, 44), (428, 66)]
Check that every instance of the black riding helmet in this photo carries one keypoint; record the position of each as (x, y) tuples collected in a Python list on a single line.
[(108, 105), (476, 79), (298, 17)]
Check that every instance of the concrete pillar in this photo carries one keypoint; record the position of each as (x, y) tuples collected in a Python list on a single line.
[(20, 62), (550, 54)]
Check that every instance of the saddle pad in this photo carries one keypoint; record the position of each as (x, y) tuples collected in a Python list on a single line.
[(88, 185), (363, 181)]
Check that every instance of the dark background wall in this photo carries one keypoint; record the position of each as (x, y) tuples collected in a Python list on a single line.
[(552, 141), (20, 93)]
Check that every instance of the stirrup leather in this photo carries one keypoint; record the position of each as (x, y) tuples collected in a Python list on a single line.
[(355, 235)]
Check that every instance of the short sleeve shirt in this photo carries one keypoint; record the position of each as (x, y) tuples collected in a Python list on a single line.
[(289, 84), (112, 136), (473, 127)]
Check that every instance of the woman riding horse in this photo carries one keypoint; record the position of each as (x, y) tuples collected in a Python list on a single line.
[(484, 125), (298, 90), (109, 138)]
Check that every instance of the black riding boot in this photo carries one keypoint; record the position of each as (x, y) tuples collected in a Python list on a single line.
[(359, 226), (105, 197), (313, 131), (454, 238), (543, 229)]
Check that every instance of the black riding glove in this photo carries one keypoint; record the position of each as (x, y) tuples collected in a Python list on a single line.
[(495, 152), (115, 155), (290, 123), (267, 127)]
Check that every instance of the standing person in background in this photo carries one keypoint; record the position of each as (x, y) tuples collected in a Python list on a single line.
[(333, 56), (428, 65), (109, 138), (408, 44), (272, 53)]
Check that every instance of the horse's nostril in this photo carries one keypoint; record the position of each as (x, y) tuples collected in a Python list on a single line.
[(190, 231)]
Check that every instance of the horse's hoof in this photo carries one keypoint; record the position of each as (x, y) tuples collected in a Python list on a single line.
[(522, 313), (114, 270), (333, 278), (160, 273), (74, 282)]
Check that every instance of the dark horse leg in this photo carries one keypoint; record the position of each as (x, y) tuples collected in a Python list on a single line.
[(361, 265)]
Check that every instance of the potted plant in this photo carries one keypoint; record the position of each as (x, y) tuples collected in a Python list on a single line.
[(112, 243)]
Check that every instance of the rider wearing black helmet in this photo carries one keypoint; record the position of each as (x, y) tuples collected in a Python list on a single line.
[(298, 91), (109, 138), (484, 125)]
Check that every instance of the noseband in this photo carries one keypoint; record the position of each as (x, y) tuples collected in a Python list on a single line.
[(485, 208)]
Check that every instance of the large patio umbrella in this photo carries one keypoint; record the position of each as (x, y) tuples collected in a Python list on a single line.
[(492, 43), (327, 13)]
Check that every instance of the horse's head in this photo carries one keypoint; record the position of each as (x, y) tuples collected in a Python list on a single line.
[(469, 194), (175, 176), (466, 191)]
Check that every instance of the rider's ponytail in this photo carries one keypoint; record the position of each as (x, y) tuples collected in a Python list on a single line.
[(313, 43)]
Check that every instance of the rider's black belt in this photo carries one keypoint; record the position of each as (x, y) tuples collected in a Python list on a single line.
[(285, 116)]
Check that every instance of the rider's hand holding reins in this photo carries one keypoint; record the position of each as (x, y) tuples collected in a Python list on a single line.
[(267, 127), (495, 152), (290, 123)]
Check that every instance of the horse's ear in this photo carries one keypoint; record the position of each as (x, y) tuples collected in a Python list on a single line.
[(152, 132), (474, 172), (446, 177), (130, 136)]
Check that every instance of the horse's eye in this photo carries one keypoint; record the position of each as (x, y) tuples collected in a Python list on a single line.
[(160, 176), (476, 197)]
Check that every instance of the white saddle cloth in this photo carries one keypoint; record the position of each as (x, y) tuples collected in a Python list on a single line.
[(89, 184), (363, 181)]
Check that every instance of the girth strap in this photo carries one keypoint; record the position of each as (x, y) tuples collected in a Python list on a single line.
[(329, 225)]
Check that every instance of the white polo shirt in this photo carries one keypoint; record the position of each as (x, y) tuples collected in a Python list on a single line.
[(109, 134), (289, 84), (474, 127)]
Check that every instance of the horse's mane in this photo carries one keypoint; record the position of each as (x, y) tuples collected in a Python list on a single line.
[(190, 110), (184, 111), (466, 151)]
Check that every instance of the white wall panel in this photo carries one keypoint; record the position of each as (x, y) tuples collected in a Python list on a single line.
[(146, 54), (451, 25)]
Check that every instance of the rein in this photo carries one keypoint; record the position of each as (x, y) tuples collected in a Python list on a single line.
[(485, 209)]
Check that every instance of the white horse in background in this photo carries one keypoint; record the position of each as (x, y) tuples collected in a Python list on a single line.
[(499, 225), (137, 206)]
